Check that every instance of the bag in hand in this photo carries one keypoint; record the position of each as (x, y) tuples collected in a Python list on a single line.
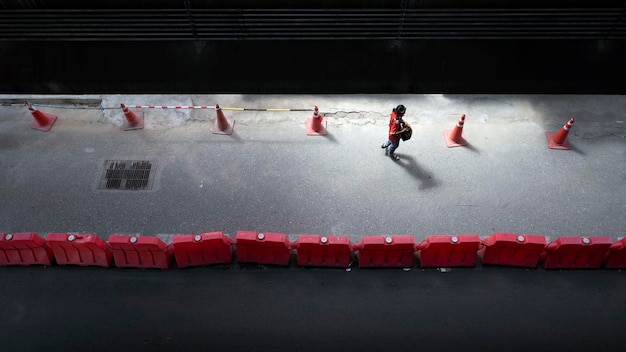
[(406, 135)]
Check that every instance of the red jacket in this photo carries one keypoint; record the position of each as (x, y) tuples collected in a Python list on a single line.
[(394, 126)]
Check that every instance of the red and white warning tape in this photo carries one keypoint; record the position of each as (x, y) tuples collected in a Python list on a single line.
[(212, 107), (173, 107), (166, 107)]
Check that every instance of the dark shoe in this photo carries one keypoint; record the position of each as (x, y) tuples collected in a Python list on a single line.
[(394, 157), (383, 146)]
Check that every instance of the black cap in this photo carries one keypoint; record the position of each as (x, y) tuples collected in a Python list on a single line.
[(400, 109)]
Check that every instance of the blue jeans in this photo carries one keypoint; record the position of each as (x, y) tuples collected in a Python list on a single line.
[(391, 146)]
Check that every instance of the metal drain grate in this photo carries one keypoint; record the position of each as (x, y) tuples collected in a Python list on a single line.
[(128, 175)]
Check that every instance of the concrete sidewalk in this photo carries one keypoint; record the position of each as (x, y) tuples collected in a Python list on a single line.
[(270, 176)]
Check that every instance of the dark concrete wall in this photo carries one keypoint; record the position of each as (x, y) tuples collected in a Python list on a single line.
[(428, 66), (585, 66), (141, 4)]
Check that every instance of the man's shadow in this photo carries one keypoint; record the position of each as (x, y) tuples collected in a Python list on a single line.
[(426, 179)]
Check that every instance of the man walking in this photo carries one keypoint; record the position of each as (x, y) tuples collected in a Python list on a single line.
[(396, 127)]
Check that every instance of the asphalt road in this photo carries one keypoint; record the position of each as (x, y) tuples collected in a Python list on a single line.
[(277, 309), (270, 176)]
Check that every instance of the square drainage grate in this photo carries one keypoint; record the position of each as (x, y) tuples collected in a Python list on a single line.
[(128, 175)]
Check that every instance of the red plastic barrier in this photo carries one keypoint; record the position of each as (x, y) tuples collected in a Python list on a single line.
[(24, 249), (510, 249), (576, 252), (262, 248), (448, 251), (81, 249), (143, 252), (202, 250), (385, 252), (331, 251), (616, 257)]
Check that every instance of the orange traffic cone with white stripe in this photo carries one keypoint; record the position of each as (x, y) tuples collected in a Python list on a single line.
[(133, 121), (455, 137), (316, 125), (559, 140), (222, 125), (43, 122)]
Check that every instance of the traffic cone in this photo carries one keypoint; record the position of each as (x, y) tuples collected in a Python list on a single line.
[(222, 125), (316, 125), (133, 121), (455, 137), (559, 140), (43, 122)]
